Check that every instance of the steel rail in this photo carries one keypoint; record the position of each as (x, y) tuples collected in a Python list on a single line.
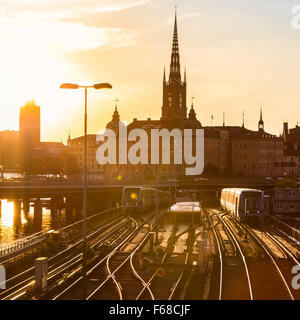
[(241, 254), (266, 249), (282, 246), (220, 256), (97, 264), (112, 274), (66, 265)]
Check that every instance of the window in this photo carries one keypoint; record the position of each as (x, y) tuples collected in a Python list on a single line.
[(292, 207)]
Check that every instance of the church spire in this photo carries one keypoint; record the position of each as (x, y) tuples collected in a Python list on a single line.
[(261, 122), (243, 124), (69, 138), (175, 60), (174, 90), (261, 114)]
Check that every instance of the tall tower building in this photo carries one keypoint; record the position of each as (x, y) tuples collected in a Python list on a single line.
[(174, 90), (29, 131)]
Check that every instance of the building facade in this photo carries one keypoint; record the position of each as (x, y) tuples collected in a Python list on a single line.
[(9, 140), (291, 162), (75, 149), (174, 116), (286, 201), (256, 154), (228, 150)]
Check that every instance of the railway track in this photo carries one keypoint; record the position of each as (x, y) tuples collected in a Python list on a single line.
[(270, 269), (283, 257), (166, 281), (61, 262), (130, 280), (122, 273), (102, 282), (234, 277)]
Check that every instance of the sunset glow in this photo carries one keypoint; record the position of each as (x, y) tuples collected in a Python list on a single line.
[(237, 56)]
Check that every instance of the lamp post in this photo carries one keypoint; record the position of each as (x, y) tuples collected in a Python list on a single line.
[(84, 225), (156, 211)]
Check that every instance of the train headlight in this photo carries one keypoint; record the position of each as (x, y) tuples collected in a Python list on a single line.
[(133, 196)]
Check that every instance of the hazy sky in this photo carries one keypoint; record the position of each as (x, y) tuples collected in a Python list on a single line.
[(238, 53)]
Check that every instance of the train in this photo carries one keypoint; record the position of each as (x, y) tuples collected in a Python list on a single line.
[(136, 199), (246, 205), (186, 212)]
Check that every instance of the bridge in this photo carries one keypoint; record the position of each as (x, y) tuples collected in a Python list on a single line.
[(46, 189), (68, 194)]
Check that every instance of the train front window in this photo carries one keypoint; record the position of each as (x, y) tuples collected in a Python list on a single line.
[(253, 201), (131, 194)]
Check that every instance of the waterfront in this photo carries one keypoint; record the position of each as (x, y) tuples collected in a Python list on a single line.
[(12, 228)]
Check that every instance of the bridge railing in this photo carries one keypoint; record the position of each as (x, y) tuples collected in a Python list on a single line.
[(22, 243), (69, 232)]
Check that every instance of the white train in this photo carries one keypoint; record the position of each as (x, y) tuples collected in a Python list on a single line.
[(244, 204), (142, 199), (186, 212)]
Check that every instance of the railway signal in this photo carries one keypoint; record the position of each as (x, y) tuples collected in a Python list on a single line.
[(160, 272)]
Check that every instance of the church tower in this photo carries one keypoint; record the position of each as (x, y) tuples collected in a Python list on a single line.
[(174, 90)]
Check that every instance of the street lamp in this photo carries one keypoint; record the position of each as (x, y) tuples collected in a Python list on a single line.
[(84, 227)]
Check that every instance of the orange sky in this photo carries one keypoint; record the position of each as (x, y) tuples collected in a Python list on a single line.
[(237, 53)]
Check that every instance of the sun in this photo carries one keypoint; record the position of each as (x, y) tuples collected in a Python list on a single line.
[(28, 71)]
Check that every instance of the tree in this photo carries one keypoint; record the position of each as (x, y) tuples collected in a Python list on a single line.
[(287, 182)]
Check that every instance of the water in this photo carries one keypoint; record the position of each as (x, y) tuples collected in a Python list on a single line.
[(11, 230), (9, 175)]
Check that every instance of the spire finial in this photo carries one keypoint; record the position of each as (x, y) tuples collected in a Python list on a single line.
[(116, 116), (223, 118), (116, 105), (164, 78), (192, 114)]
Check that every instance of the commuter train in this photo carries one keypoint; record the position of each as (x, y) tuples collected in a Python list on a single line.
[(142, 199), (246, 205)]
